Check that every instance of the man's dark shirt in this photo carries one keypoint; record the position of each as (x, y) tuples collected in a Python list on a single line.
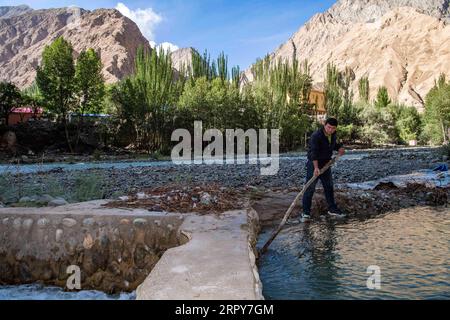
[(320, 148)]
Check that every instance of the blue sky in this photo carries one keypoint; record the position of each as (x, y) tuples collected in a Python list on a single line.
[(244, 30)]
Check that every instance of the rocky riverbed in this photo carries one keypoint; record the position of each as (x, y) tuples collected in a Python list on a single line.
[(82, 185)]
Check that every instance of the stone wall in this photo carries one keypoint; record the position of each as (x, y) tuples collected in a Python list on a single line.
[(115, 249)]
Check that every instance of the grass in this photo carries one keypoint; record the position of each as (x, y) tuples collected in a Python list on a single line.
[(83, 187), (87, 187)]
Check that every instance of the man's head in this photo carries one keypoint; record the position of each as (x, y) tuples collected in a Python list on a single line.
[(330, 126)]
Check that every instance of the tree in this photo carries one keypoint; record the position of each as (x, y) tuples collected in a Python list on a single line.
[(408, 123), (383, 99), (89, 86), (89, 82), (146, 100), (32, 97), (364, 89), (437, 112), (333, 94), (55, 79), (281, 95), (347, 113), (10, 98)]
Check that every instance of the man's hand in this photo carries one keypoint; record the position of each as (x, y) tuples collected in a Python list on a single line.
[(316, 172), (341, 152)]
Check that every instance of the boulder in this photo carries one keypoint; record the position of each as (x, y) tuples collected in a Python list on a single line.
[(57, 202), (9, 141)]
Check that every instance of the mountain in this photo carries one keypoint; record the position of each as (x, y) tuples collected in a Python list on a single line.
[(7, 12), (401, 44), (182, 58), (25, 32)]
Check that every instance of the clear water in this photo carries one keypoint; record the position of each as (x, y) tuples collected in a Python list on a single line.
[(39, 292), (329, 259)]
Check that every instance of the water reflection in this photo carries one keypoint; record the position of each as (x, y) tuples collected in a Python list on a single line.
[(329, 260)]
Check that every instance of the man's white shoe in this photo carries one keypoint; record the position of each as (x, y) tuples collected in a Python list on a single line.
[(337, 214), (305, 218)]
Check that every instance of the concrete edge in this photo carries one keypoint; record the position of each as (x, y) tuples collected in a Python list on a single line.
[(217, 263)]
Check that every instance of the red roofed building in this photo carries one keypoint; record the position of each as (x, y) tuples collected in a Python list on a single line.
[(23, 114)]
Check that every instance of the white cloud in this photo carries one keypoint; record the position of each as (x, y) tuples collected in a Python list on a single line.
[(146, 19), (168, 46)]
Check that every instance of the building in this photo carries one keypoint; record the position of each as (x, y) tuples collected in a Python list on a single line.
[(74, 117), (317, 100), (23, 114)]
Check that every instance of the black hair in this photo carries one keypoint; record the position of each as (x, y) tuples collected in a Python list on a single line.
[(332, 121)]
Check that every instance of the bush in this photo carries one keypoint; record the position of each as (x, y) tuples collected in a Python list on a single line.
[(87, 187), (347, 133)]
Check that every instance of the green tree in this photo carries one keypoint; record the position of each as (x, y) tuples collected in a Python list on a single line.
[(364, 89), (89, 86), (55, 79), (32, 97), (408, 123), (379, 126), (89, 82), (437, 112), (10, 98), (383, 99), (347, 113), (333, 94), (147, 99), (281, 95)]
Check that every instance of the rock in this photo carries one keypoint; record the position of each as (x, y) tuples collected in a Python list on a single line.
[(25, 200), (88, 242), (156, 208), (27, 224), (42, 223), (88, 222), (141, 196), (361, 31), (58, 235), (206, 199), (2, 205), (17, 62), (139, 222), (69, 222), (44, 199), (9, 140), (17, 223), (57, 202)]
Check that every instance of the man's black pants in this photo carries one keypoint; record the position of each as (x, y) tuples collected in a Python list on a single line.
[(327, 182)]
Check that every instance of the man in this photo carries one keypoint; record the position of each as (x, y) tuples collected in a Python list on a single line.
[(320, 151)]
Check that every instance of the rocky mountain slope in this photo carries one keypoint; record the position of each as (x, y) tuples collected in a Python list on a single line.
[(402, 44), (182, 58), (25, 32)]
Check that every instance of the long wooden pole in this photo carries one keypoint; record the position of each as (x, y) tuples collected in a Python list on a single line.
[(291, 208)]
